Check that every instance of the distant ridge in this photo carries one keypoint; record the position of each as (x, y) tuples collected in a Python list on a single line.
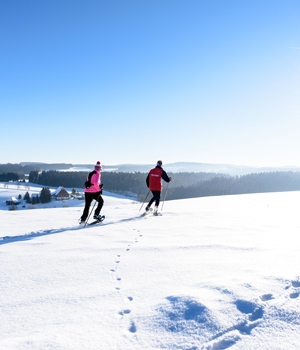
[(176, 167), (201, 167)]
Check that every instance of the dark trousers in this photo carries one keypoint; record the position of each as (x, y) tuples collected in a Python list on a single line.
[(89, 197), (156, 198)]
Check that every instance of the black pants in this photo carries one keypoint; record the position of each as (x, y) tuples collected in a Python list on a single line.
[(89, 197), (156, 198)]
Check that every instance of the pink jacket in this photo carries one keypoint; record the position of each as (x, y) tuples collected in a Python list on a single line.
[(95, 180)]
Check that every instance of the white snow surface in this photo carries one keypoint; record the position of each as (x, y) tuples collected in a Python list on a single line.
[(210, 273)]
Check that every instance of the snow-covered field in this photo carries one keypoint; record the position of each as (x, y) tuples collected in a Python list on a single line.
[(210, 273)]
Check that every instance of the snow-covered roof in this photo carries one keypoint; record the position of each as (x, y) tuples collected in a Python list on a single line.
[(56, 192), (14, 200)]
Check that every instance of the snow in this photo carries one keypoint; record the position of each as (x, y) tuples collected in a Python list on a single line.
[(210, 273)]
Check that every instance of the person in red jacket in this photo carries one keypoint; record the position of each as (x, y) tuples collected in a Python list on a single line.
[(93, 191), (154, 184)]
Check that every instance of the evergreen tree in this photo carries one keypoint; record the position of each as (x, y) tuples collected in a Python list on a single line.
[(27, 198), (45, 195), (9, 177), (33, 176)]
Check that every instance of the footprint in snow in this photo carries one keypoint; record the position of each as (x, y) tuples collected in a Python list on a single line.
[(132, 327), (266, 297), (124, 312), (254, 311), (296, 284)]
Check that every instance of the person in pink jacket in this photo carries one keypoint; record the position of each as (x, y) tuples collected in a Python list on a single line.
[(92, 192)]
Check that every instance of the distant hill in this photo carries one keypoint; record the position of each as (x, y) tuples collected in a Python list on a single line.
[(144, 168), (181, 167)]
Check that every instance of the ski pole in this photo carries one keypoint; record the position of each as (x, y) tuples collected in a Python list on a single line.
[(165, 197), (86, 221), (144, 201)]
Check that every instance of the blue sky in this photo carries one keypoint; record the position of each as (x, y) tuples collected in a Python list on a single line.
[(212, 81)]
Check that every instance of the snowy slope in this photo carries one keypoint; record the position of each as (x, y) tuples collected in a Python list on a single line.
[(211, 273)]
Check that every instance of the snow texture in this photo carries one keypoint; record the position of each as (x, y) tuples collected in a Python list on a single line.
[(208, 274)]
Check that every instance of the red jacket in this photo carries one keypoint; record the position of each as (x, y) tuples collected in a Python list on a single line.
[(154, 178)]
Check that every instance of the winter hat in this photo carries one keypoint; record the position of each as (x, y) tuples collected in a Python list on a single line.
[(159, 163), (98, 166)]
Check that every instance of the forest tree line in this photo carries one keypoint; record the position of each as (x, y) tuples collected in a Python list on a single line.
[(252, 183), (183, 185), (118, 182), (23, 169)]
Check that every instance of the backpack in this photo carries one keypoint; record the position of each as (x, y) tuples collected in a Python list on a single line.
[(88, 183)]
